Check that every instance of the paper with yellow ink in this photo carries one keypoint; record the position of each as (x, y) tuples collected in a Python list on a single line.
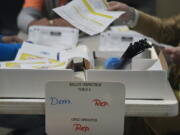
[(26, 56), (12, 65), (33, 56), (50, 66), (33, 65), (90, 16), (33, 52)]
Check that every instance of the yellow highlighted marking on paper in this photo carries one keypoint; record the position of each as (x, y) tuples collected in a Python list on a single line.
[(12, 65), (93, 12), (26, 56), (87, 17), (48, 66), (53, 61)]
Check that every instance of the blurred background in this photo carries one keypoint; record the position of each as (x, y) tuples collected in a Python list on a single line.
[(167, 8), (9, 10)]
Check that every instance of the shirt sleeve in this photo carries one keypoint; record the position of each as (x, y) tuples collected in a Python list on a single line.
[(26, 16), (163, 30), (36, 4), (31, 11)]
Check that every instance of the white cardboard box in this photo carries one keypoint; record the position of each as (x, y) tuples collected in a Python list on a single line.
[(27, 83), (145, 80), (15, 87)]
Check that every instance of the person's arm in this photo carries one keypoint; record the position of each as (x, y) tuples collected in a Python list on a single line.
[(162, 30), (130, 17), (60, 22), (31, 12), (10, 39), (27, 16)]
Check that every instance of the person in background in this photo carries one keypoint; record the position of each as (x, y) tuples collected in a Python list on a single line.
[(165, 31), (39, 12)]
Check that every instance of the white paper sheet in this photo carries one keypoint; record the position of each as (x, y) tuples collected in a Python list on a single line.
[(118, 40), (35, 65), (90, 16), (33, 56), (39, 52), (56, 37)]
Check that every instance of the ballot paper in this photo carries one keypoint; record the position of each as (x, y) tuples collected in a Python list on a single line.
[(90, 16), (31, 51), (33, 65), (85, 108), (18, 64), (34, 56), (62, 38), (118, 40)]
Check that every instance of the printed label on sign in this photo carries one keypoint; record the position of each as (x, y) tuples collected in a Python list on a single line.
[(88, 108)]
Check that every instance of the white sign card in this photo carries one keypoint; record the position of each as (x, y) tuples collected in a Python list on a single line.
[(85, 108)]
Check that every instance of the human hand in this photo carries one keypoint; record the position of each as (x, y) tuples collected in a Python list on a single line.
[(174, 54), (53, 22), (117, 6), (43, 21), (11, 39), (60, 22), (129, 17)]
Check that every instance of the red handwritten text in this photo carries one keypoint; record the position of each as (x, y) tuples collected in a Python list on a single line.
[(98, 102), (79, 127)]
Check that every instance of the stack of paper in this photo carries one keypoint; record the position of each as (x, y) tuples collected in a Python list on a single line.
[(33, 56), (62, 38), (118, 40), (90, 16)]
